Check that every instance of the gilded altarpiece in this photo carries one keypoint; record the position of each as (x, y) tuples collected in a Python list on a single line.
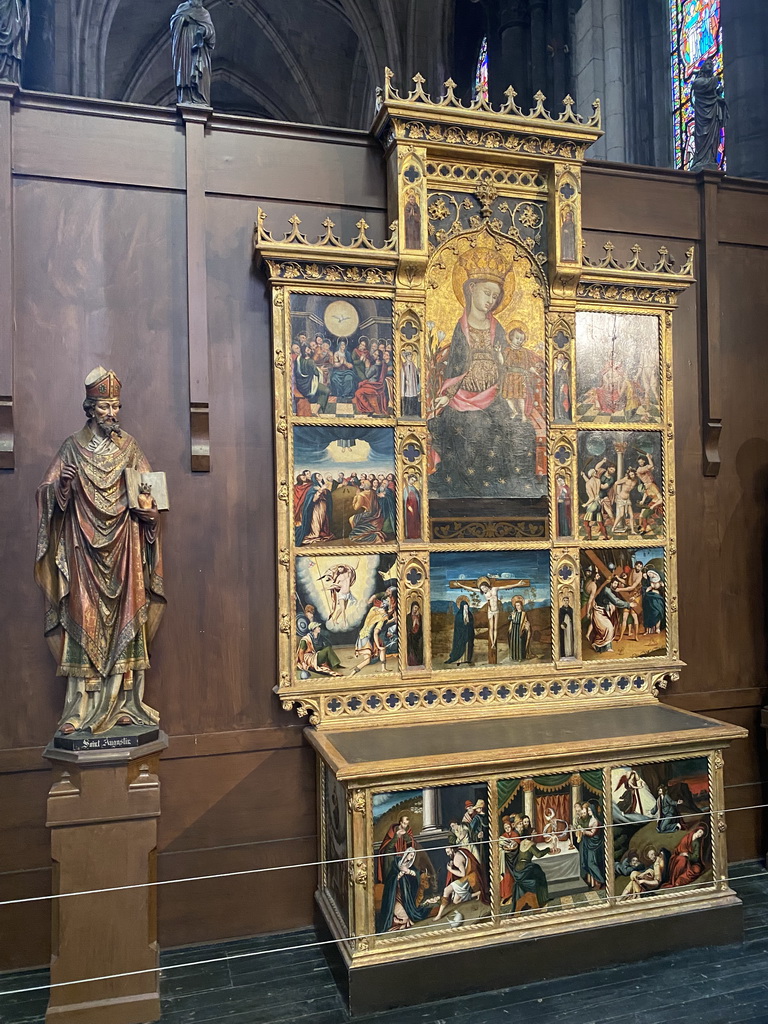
[(476, 523)]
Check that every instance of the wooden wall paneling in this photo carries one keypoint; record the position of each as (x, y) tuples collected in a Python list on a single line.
[(195, 120), (709, 322), (236, 813), (746, 785), (617, 198), (100, 278), (743, 212), (7, 457), (65, 142), (294, 164)]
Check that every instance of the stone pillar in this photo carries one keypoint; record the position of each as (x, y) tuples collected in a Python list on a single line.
[(576, 792), (529, 800), (745, 79), (102, 813), (539, 60), (598, 72), (430, 800), (509, 59)]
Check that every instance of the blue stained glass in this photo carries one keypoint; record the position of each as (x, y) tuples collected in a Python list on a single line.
[(481, 75), (696, 34)]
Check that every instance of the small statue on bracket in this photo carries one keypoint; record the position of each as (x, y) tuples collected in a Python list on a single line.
[(99, 564), (193, 38), (14, 33), (710, 114)]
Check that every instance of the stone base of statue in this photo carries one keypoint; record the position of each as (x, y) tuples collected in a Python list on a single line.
[(122, 738), (102, 813)]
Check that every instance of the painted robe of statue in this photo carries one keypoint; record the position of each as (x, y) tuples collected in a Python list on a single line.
[(99, 564), (14, 33)]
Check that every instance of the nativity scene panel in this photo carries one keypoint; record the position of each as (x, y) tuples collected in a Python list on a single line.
[(431, 856)]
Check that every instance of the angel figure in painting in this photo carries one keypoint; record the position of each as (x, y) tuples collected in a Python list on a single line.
[(477, 448)]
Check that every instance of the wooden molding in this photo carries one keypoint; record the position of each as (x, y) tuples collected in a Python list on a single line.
[(8, 94), (709, 322), (195, 119)]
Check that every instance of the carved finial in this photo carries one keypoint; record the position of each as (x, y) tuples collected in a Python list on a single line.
[(568, 114), (487, 193), (449, 100), (596, 119), (388, 76), (510, 107), (538, 110)]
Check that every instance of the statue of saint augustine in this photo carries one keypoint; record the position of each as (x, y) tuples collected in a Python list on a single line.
[(99, 565)]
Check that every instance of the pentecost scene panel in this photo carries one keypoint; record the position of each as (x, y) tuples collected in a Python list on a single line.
[(336, 867), (485, 391), (431, 856), (623, 603), (342, 361), (345, 490), (346, 615), (620, 484), (552, 844), (489, 608), (617, 368), (662, 836)]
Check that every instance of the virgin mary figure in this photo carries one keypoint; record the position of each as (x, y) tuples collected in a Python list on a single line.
[(477, 449)]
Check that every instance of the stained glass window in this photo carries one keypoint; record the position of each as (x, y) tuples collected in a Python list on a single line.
[(696, 35), (481, 75)]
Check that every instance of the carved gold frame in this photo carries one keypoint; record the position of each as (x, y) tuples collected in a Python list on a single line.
[(495, 156)]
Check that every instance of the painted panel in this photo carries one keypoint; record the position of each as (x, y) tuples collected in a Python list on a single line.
[(617, 368), (490, 608), (552, 845), (620, 484), (661, 834), (336, 867), (624, 603), (342, 361), (431, 858)]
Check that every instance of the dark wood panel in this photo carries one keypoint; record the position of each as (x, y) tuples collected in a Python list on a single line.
[(77, 145), (743, 215), (644, 203), (25, 928), (298, 169)]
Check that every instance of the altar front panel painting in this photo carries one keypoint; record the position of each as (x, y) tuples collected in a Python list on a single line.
[(336, 868), (662, 837), (431, 858), (552, 844)]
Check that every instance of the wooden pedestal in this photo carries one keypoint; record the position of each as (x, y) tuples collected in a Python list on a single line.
[(102, 812)]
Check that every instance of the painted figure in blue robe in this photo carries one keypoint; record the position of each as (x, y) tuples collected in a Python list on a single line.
[(463, 648), (343, 379), (654, 605), (316, 513), (307, 379), (592, 849), (667, 811), (400, 908), (388, 505)]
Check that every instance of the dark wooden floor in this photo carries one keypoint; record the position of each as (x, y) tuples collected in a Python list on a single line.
[(728, 985)]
